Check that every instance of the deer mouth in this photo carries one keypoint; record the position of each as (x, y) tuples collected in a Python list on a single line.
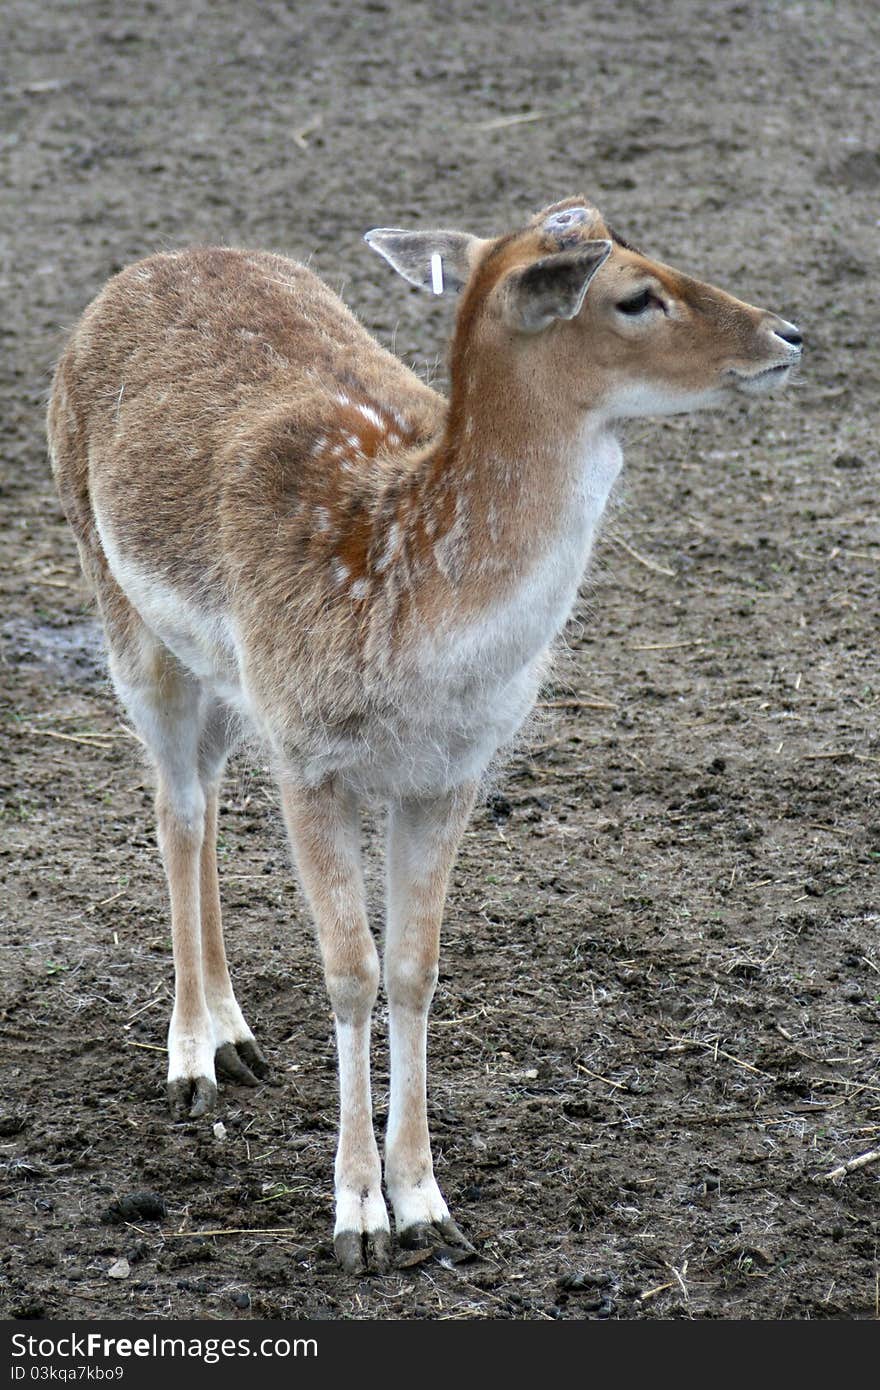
[(755, 383)]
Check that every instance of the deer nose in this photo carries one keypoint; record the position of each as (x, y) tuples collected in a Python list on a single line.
[(788, 332)]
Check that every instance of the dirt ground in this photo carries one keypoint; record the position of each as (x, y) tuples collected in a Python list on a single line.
[(658, 1019)]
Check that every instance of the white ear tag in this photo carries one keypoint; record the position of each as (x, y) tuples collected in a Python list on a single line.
[(436, 273)]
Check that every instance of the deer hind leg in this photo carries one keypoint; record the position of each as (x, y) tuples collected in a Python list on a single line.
[(423, 837), (188, 735), (236, 1052), (325, 837), (165, 702)]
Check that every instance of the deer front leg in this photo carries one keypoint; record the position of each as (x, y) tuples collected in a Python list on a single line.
[(325, 836), (423, 837)]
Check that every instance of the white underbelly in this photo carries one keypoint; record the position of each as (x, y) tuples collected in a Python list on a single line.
[(202, 641), (421, 747)]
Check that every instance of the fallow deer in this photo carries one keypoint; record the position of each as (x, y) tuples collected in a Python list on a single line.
[(289, 533)]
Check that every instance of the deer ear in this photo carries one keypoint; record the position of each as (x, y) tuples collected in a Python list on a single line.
[(553, 287), (412, 254)]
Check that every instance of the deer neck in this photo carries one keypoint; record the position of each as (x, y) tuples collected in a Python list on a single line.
[(514, 489)]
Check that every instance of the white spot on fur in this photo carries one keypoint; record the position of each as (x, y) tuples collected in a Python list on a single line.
[(372, 415), (391, 545), (448, 551)]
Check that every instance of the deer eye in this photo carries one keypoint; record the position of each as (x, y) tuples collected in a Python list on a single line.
[(637, 303)]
